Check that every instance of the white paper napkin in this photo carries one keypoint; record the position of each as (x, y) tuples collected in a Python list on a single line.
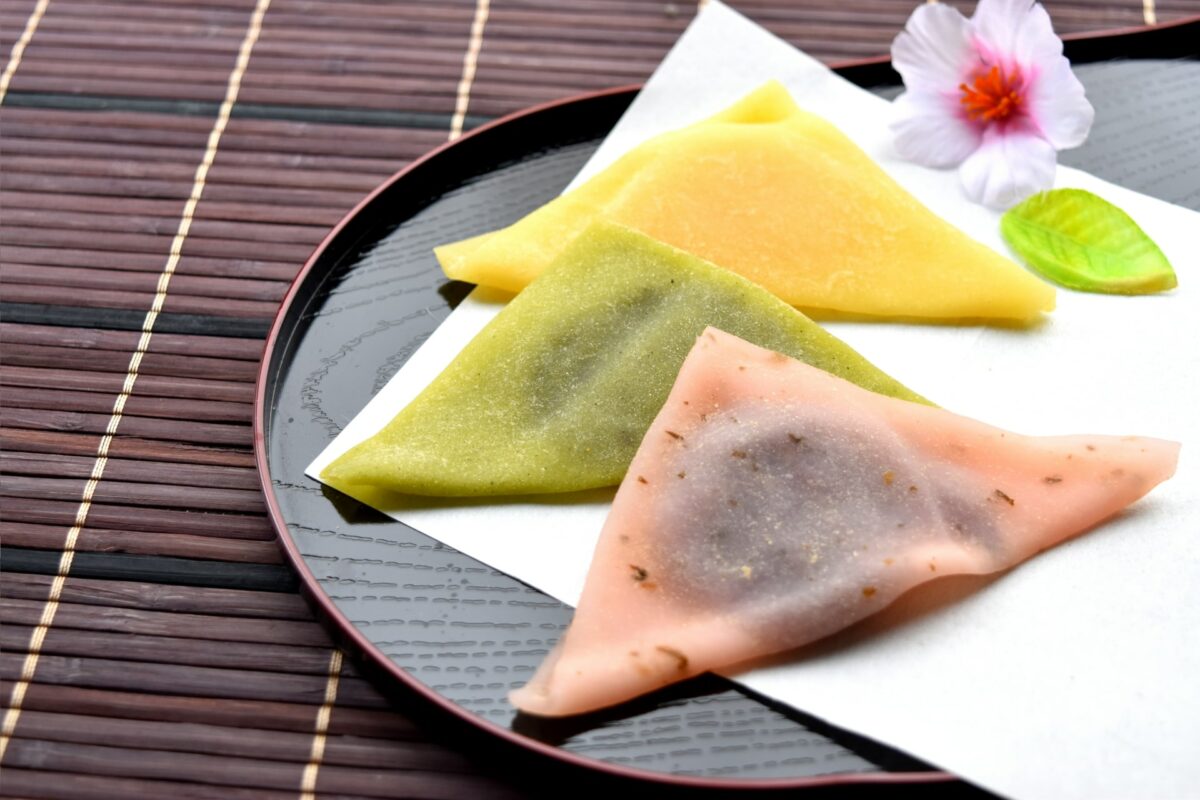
[(1075, 675)]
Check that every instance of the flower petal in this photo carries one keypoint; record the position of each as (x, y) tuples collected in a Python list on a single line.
[(1057, 106), (998, 23), (929, 129), (933, 50), (1009, 166), (1014, 33), (1036, 43)]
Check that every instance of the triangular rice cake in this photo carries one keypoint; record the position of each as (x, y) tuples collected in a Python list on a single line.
[(782, 197), (772, 504), (555, 394)]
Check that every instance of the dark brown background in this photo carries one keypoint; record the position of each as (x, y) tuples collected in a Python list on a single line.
[(179, 660)]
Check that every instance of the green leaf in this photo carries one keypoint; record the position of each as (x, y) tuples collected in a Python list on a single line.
[(1082, 241)]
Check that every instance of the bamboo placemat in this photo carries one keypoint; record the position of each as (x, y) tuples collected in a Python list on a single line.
[(166, 169)]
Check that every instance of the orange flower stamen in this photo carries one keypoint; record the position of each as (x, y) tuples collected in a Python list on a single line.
[(992, 96)]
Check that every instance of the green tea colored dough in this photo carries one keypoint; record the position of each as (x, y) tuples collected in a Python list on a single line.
[(556, 393)]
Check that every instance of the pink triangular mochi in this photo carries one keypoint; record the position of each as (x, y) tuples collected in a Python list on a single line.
[(772, 504)]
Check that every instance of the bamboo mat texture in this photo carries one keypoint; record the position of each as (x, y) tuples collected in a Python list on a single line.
[(166, 169)]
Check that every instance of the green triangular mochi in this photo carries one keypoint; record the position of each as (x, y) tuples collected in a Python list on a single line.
[(556, 393)]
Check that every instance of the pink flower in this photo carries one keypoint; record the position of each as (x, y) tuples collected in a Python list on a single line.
[(993, 95)]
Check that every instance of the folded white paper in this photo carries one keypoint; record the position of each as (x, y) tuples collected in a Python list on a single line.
[(1074, 675)]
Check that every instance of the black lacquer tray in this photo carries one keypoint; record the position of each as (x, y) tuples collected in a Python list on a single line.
[(426, 618)]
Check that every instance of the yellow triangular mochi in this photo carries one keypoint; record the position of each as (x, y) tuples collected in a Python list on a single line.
[(783, 198)]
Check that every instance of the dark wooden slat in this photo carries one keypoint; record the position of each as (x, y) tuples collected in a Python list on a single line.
[(144, 262), (224, 347), (99, 673), (158, 153), (153, 363), (123, 122), (111, 491), (58, 279), (159, 597), (182, 39), (335, 779), (223, 25), (168, 623), (413, 20), (121, 469), (250, 135), (264, 311), (132, 40), (282, 176), (179, 545), (108, 126), (862, 20), (297, 215), (563, 72), (383, 46), (171, 650), (118, 517), (431, 786), (564, 75), (129, 319), (285, 142), (307, 88), (274, 232), (214, 73), (47, 147), (124, 187), (440, 99), (445, 34), (394, 118), (230, 713), (158, 407), (143, 243), (122, 447), (156, 569), (138, 301), (18, 7), (621, 66), (110, 383), (144, 427), (121, 762), (357, 15), (54, 784), (241, 772), (266, 744)]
